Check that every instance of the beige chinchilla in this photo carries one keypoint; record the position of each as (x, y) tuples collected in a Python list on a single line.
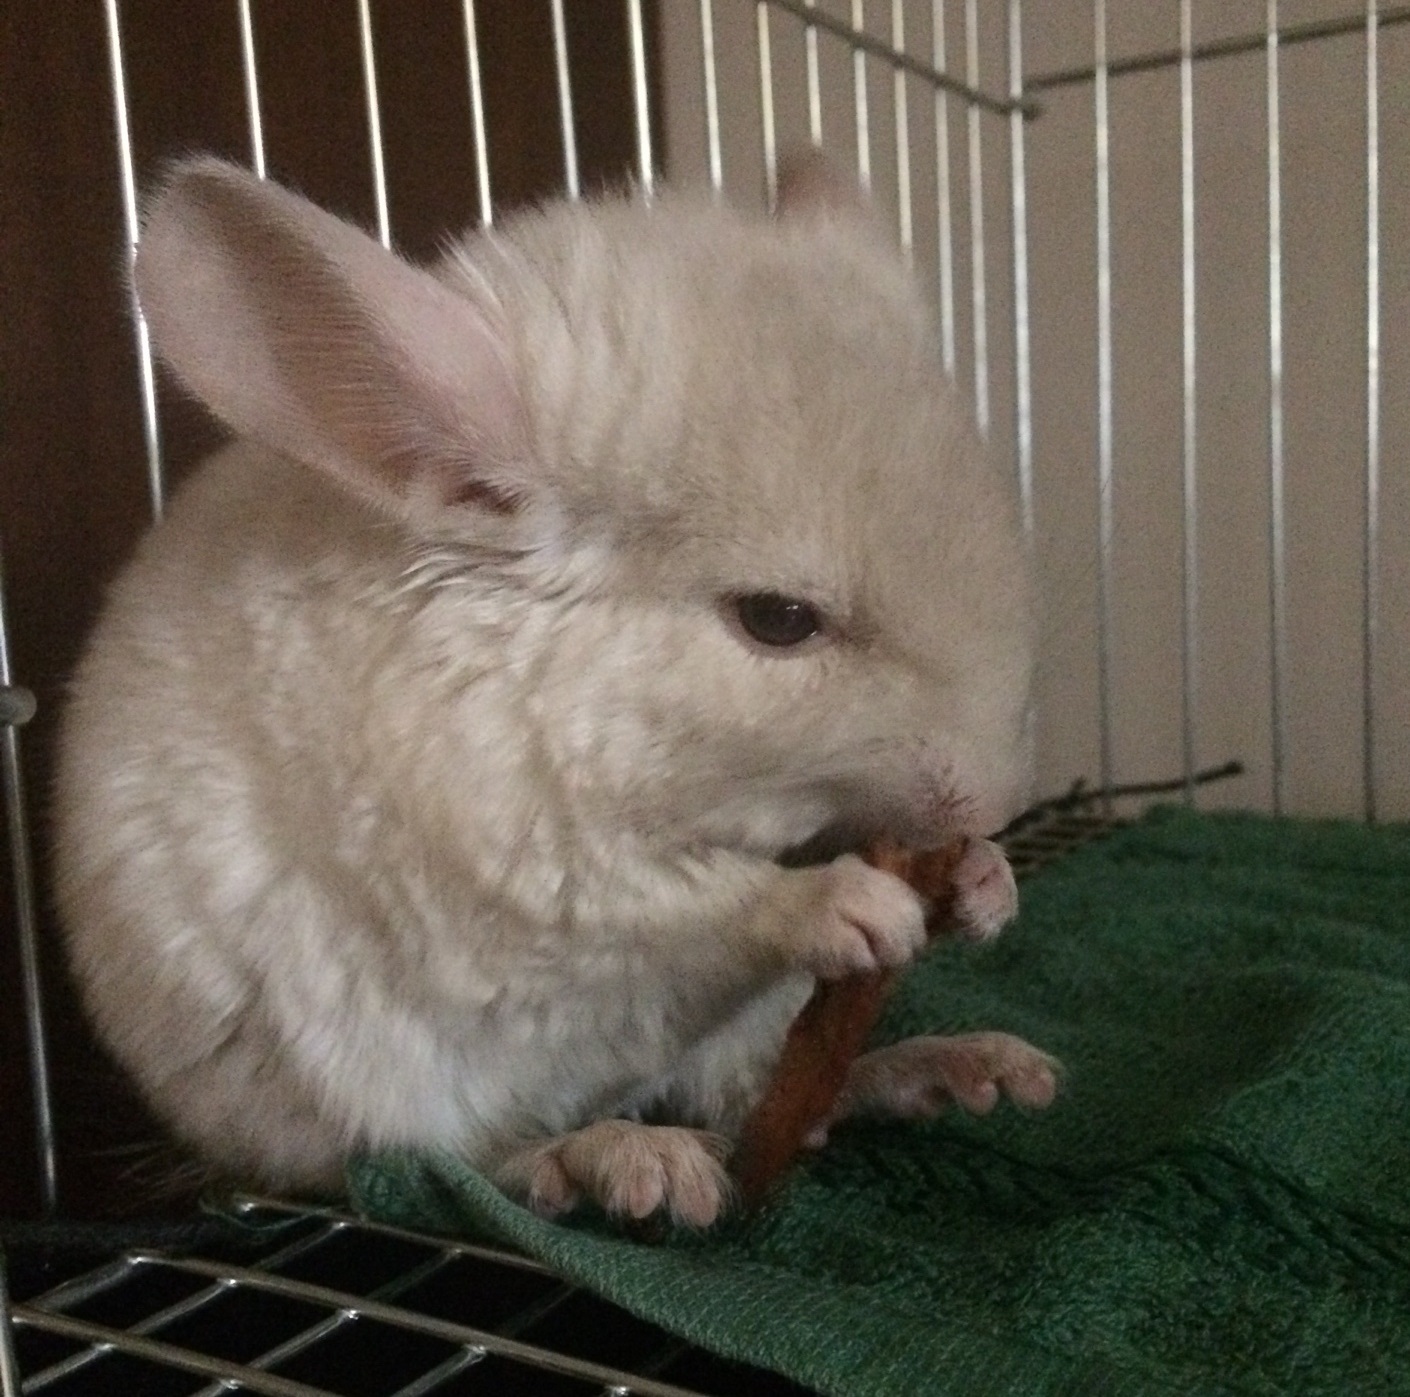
[(425, 780)]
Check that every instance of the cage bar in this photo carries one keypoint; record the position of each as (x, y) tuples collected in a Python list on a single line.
[(565, 102), (250, 1206), (477, 114), (71, 1293), (1307, 32), (237, 1376), (903, 129), (9, 1361), (1022, 350), (862, 43), (976, 223), (944, 233), (712, 95), (411, 1321), (1277, 565), (766, 105), (374, 120), (27, 925), (1371, 542), (810, 56), (641, 100), (341, 1319), (86, 1288), (1105, 464), (1189, 623), (127, 186), (251, 75), (860, 105), (340, 1308)]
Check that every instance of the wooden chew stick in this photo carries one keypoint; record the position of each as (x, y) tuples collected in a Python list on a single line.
[(830, 1031)]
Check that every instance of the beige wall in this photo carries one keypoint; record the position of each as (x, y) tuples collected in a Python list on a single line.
[(1324, 259)]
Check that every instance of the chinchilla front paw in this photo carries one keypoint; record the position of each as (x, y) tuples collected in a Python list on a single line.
[(861, 920)]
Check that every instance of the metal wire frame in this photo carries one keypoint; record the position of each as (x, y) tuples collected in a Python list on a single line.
[(978, 254), (1271, 41), (766, 103), (1370, 600), (1022, 344), (368, 47), (1189, 553), (1288, 34), (517, 1298), (944, 230), (16, 708), (860, 105), (565, 103), (477, 116), (978, 103), (855, 34), (1277, 512), (1105, 405), (641, 102), (710, 78), (9, 1360), (251, 76), (810, 46), (901, 112), (127, 185)]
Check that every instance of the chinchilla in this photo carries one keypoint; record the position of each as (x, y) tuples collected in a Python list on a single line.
[(425, 780)]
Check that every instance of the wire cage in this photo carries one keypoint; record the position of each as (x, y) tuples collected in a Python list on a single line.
[(1167, 244)]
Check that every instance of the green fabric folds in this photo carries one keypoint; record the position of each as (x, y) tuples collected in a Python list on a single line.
[(1219, 1202)]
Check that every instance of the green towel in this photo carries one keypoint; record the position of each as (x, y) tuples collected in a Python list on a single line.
[(1219, 1201)]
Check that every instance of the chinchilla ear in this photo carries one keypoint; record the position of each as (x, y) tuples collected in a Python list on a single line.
[(304, 333), (809, 184)]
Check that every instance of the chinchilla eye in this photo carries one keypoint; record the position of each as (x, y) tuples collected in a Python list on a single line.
[(777, 621)]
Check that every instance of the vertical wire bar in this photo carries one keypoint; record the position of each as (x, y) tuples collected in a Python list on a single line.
[(252, 106), (1277, 572), (810, 48), (1022, 353), (477, 115), (641, 100), (1371, 543), (945, 233), (151, 431), (9, 1360), (1104, 404), (374, 120), (903, 132), (861, 105), (27, 923), (565, 102), (1190, 616), (712, 95), (766, 104), (976, 224)]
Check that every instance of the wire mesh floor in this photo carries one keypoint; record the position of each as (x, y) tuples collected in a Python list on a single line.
[(315, 1303), (336, 1305)]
